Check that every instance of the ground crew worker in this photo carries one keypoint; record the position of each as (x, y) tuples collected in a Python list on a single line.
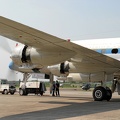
[(57, 88), (53, 88)]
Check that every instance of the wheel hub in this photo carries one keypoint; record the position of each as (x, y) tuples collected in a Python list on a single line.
[(98, 94)]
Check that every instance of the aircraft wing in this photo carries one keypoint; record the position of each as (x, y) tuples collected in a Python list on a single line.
[(28, 36), (84, 59)]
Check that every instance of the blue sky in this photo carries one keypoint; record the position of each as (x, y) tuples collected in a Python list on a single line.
[(74, 19)]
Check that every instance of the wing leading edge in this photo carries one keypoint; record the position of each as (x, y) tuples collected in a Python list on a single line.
[(84, 59)]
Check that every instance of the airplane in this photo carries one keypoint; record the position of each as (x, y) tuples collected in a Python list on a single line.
[(40, 52)]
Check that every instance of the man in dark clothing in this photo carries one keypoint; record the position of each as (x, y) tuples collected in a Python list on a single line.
[(53, 88), (57, 88)]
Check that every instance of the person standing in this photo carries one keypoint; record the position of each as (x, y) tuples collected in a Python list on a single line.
[(57, 88), (53, 88)]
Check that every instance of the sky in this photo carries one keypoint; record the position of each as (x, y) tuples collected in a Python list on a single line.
[(67, 19)]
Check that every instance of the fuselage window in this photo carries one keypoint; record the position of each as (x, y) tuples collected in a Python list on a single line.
[(114, 51)]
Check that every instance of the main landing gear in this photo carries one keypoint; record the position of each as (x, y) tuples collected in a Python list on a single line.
[(102, 93)]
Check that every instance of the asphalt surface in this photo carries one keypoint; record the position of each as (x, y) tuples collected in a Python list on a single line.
[(71, 105)]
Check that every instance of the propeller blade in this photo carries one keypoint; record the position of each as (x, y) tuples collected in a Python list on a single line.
[(11, 75), (5, 45)]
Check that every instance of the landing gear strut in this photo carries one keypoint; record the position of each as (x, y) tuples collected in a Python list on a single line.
[(22, 90), (51, 82), (100, 93)]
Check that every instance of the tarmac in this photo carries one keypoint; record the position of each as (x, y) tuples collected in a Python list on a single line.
[(71, 105)]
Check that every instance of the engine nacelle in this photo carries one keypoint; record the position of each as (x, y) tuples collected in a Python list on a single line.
[(60, 69), (17, 55), (37, 57), (72, 77)]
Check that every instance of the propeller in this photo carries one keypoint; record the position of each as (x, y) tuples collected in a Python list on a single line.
[(64, 68), (4, 45), (10, 74)]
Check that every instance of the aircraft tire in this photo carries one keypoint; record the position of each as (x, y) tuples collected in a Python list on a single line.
[(99, 93), (108, 94)]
